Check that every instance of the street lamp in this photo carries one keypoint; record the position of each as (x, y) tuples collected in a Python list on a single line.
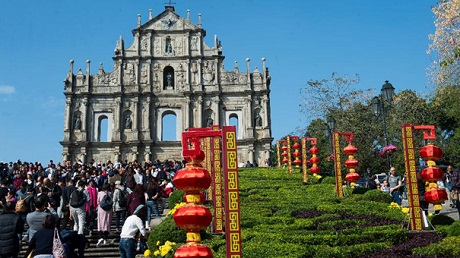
[(330, 128), (379, 109)]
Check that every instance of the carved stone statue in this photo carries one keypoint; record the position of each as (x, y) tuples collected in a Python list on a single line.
[(209, 121), (169, 79), (257, 120), (128, 122), (77, 122)]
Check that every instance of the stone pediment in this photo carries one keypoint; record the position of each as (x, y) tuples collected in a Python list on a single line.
[(168, 21)]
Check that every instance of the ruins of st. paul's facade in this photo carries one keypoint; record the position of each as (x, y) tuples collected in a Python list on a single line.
[(168, 70)]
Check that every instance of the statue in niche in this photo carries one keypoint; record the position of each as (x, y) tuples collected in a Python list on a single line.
[(257, 120), (77, 122), (128, 122), (169, 79), (194, 44), (168, 47), (209, 121)]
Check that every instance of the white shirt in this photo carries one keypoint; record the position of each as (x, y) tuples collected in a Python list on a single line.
[(138, 178), (132, 224)]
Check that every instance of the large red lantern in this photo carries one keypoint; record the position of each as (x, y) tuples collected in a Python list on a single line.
[(296, 146), (352, 177), (432, 174), (431, 152), (351, 163), (314, 160)]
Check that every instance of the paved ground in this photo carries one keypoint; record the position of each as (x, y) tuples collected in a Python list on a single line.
[(446, 209)]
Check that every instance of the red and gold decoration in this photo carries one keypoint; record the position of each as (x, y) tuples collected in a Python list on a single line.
[(289, 156), (314, 160), (431, 175), (194, 179), (278, 155), (304, 161), (194, 216), (351, 163), (284, 148), (296, 146), (430, 153)]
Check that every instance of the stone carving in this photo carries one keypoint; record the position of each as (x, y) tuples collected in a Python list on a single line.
[(257, 119), (145, 43), (77, 122), (180, 78), (194, 73), (144, 71), (209, 121), (179, 47), (168, 46), (115, 74), (157, 47), (194, 43), (243, 78), (208, 72), (128, 122), (130, 76), (156, 78)]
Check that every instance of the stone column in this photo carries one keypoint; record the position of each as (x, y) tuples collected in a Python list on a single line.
[(199, 111), (116, 120), (84, 120), (187, 114), (68, 118)]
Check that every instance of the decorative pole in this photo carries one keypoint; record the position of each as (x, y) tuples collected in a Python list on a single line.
[(278, 156), (288, 142), (351, 163), (304, 161), (194, 216)]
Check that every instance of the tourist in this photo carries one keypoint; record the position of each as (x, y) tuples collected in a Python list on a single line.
[(11, 228), (35, 219), (453, 195), (104, 215), (120, 209), (91, 205), (395, 183), (132, 225), (456, 186), (385, 187), (151, 195), (66, 192), (135, 199), (42, 242), (78, 200)]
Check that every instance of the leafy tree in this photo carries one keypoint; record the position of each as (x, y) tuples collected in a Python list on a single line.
[(445, 67)]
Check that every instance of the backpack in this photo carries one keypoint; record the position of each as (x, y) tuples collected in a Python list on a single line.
[(106, 203), (21, 205), (123, 199), (77, 199)]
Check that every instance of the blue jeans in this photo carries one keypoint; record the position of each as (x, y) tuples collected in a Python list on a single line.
[(127, 248), (152, 206), (396, 197)]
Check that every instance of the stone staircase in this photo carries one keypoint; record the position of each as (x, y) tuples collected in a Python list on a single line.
[(109, 250)]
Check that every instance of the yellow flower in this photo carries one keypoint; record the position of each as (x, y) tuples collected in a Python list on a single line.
[(158, 242), (156, 253), (405, 210), (176, 207), (147, 253)]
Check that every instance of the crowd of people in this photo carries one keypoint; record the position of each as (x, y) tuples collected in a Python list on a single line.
[(396, 187), (78, 199)]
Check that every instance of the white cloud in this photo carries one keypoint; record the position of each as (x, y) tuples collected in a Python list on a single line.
[(6, 90)]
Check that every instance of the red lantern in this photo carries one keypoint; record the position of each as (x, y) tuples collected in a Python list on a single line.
[(297, 162), (314, 150), (315, 170), (192, 217), (350, 149), (432, 174), (314, 160), (352, 177), (284, 148), (296, 145), (193, 178), (435, 196), (431, 152), (193, 251), (351, 163)]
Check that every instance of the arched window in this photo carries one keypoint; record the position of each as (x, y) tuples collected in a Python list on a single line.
[(103, 129), (169, 122), (234, 121), (168, 78)]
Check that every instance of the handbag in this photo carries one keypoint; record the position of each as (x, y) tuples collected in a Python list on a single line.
[(58, 248), (141, 245), (454, 195)]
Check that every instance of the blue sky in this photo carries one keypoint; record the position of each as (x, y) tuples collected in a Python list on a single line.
[(301, 40)]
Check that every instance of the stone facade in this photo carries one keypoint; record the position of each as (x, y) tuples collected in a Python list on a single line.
[(168, 69)]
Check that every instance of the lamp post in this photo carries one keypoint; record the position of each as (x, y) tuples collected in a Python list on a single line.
[(379, 109), (330, 127)]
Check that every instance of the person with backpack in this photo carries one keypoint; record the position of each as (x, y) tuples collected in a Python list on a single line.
[(78, 200), (120, 197), (104, 214), (91, 205)]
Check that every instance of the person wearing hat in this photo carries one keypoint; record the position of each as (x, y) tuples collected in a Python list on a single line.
[(133, 225)]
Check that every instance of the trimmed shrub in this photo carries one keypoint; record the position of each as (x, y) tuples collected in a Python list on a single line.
[(454, 229), (448, 247), (175, 198), (441, 219), (377, 196), (328, 180), (167, 231)]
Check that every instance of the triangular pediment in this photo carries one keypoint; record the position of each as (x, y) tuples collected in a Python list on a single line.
[(168, 20)]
